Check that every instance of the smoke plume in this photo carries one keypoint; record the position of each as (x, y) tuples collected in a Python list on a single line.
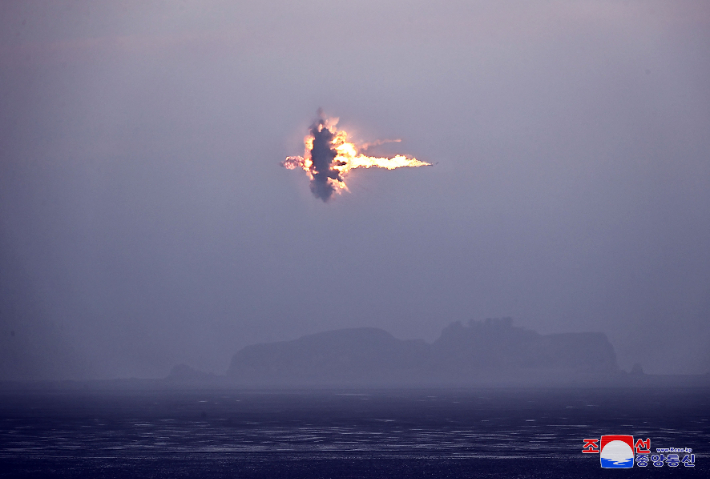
[(323, 158)]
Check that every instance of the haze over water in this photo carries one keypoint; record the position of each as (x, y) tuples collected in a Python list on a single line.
[(145, 220)]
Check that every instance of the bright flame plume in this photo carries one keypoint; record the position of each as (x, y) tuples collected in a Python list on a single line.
[(329, 157)]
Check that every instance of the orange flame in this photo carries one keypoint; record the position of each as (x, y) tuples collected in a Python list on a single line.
[(348, 156)]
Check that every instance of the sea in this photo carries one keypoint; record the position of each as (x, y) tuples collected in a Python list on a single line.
[(491, 433)]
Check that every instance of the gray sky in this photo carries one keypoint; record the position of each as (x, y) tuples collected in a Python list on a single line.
[(145, 220)]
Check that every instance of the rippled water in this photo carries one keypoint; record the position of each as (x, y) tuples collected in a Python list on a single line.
[(480, 433)]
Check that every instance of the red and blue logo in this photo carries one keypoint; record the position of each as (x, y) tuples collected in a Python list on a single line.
[(617, 452)]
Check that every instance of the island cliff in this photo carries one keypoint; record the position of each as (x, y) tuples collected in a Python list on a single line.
[(480, 353)]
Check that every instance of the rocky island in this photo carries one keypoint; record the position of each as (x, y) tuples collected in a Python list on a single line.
[(490, 352)]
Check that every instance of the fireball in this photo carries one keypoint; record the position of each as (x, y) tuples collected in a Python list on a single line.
[(329, 156)]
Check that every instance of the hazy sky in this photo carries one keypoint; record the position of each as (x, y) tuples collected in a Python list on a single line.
[(145, 220)]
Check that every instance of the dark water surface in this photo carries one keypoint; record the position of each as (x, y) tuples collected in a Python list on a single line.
[(348, 434)]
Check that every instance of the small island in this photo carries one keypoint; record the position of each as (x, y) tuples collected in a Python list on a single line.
[(480, 353)]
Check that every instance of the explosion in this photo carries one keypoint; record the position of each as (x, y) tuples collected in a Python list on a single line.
[(329, 157)]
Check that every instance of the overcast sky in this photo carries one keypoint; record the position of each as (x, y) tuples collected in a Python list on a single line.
[(145, 220)]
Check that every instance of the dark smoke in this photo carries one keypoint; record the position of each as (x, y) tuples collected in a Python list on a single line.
[(323, 155)]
